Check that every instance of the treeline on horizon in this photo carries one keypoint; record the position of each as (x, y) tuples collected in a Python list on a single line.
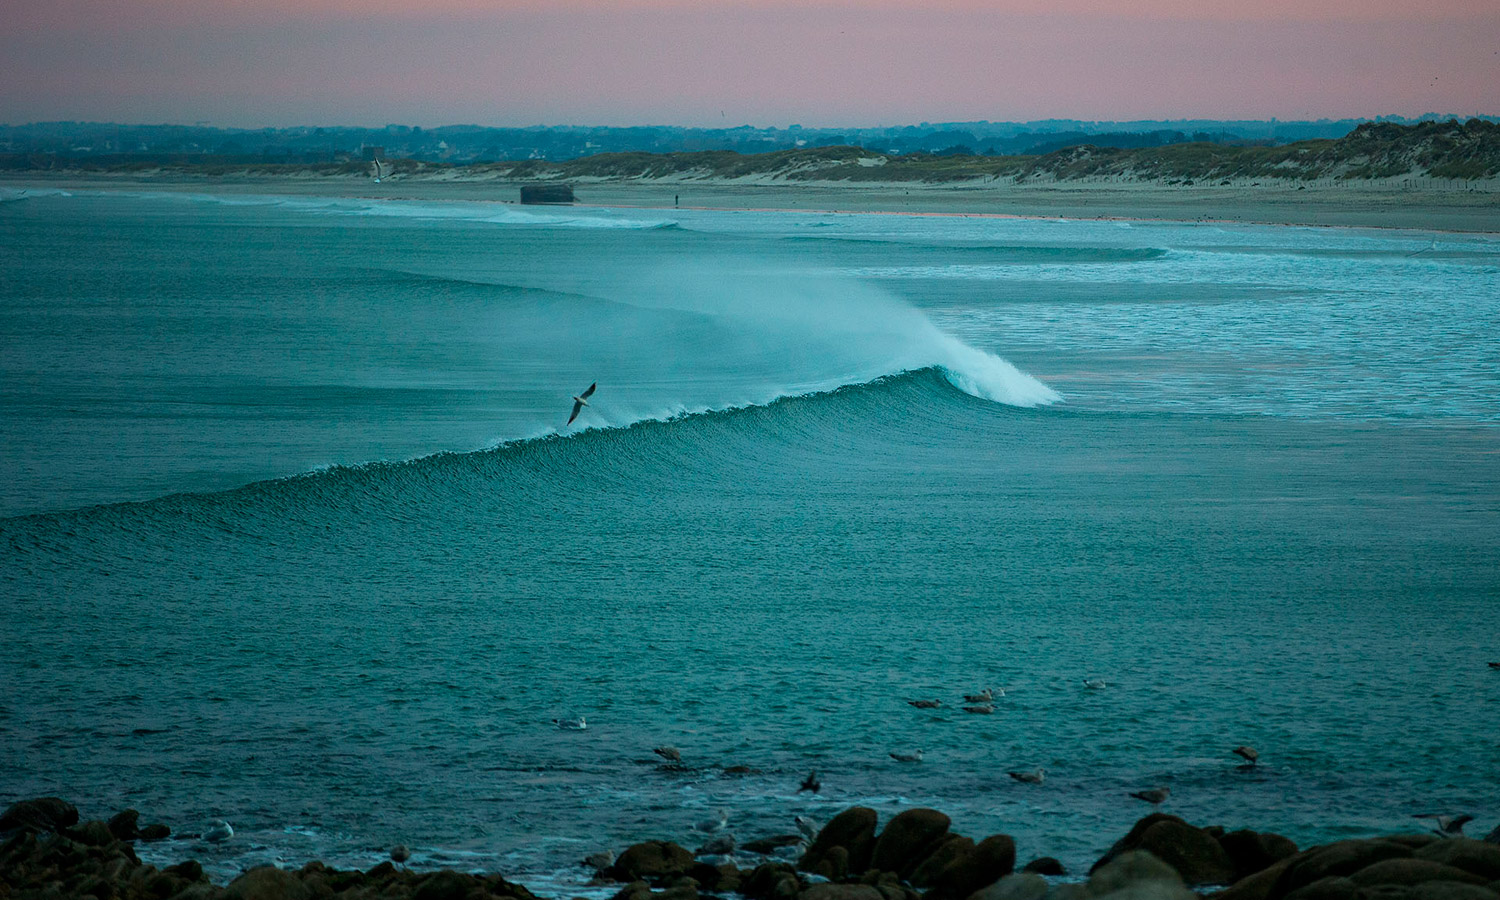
[(471, 143), (1438, 149)]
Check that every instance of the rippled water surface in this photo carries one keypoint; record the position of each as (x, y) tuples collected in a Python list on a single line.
[(295, 534)]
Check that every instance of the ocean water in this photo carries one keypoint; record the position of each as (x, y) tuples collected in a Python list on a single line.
[(294, 533)]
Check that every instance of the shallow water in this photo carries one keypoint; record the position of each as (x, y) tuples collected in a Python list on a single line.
[(1245, 475)]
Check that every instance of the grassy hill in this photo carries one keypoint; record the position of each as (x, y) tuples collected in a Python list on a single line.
[(1451, 149)]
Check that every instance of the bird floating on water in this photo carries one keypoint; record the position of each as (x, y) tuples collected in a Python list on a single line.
[(1495, 665), (718, 823), (400, 854), (1035, 776), (1447, 826), (1248, 754), (578, 724), (669, 753), (811, 783), (983, 709), (926, 704), (220, 833), (1155, 796), (1094, 684), (580, 401), (913, 756), (983, 696), (807, 826)]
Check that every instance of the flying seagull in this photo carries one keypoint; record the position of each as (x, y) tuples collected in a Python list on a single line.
[(811, 783), (1036, 776), (377, 171), (1155, 796), (1248, 754), (580, 401), (1447, 826)]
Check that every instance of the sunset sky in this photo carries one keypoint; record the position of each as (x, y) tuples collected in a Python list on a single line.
[(762, 62)]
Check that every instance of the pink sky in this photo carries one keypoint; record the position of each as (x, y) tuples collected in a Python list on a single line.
[(772, 62)]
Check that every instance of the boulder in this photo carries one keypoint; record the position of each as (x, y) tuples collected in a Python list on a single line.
[(953, 848), (841, 892), (445, 885), (267, 883), (1338, 858), (1024, 886), (156, 832), (1332, 888), (1137, 875), (770, 880), (1477, 857), (189, 870), (991, 859), (123, 825), (907, 839), (1413, 840), (92, 834), (1250, 852), (1192, 852), (854, 830), (834, 865), (42, 814), (1045, 865), (651, 860), (1450, 890), (1411, 871), (1259, 886), (722, 878)]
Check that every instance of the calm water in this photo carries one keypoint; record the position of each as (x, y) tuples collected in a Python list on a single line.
[(294, 535)]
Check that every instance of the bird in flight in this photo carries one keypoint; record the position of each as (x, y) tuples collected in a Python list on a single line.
[(580, 401)]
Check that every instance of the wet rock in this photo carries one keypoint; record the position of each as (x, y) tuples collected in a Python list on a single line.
[(1413, 841), (155, 832), (770, 880), (123, 825), (1045, 865), (1477, 857), (42, 814), (1259, 886), (267, 883), (907, 839), (953, 848), (852, 831), (1250, 852), (1411, 871), (841, 892), (1338, 858), (1193, 852), (92, 834), (651, 860), (635, 890), (991, 859), (1333, 888), (1136, 873), (445, 885), (1024, 886)]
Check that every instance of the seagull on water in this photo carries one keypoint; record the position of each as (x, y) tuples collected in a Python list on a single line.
[(1093, 684), (580, 401), (578, 724), (1495, 665), (220, 833), (926, 704), (400, 854), (983, 709), (669, 753), (1155, 796), (1447, 826), (716, 824), (983, 696), (807, 826), (913, 756), (811, 783), (1035, 776)]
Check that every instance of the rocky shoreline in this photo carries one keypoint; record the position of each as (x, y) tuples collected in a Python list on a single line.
[(45, 852)]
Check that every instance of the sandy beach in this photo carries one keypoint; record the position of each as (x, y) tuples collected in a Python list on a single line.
[(1425, 205)]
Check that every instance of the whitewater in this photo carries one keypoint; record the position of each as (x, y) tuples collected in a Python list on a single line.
[(294, 534)]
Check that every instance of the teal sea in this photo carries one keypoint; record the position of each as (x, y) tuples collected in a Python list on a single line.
[(294, 534)]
